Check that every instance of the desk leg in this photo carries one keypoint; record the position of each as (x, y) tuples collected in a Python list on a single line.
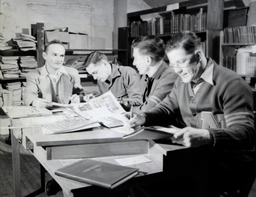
[(42, 188), (16, 165)]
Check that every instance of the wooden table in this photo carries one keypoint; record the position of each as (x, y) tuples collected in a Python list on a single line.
[(167, 161)]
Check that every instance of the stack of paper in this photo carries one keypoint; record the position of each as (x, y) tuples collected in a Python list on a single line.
[(9, 66), (26, 42), (12, 94), (3, 44), (27, 64)]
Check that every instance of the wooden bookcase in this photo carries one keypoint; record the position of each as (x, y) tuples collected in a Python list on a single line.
[(206, 23), (237, 35)]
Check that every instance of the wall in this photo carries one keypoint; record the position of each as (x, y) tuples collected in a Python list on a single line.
[(94, 17)]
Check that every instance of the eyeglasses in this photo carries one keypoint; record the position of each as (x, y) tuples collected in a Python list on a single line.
[(182, 63)]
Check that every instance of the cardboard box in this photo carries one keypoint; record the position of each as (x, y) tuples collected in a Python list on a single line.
[(78, 41), (56, 34)]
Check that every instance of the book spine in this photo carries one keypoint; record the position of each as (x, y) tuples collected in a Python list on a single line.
[(84, 180)]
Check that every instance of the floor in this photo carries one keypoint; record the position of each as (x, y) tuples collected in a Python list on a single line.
[(30, 173)]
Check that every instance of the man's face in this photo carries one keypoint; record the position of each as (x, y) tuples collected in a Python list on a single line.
[(140, 61), (99, 71), (54, 56), (180, 61)]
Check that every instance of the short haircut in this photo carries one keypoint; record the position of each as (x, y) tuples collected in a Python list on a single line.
[(94, 58), (53, 42), (150, 45), (187, 40)]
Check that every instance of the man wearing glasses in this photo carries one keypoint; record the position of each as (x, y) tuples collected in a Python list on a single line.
[(204, 87)]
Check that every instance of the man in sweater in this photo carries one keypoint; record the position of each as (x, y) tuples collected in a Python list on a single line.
[(157, 77), (203, 88)]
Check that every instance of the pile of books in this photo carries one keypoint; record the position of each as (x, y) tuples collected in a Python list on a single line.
[(27, 64), (26, 42), (9, 67), (12, 94), (3, 44)]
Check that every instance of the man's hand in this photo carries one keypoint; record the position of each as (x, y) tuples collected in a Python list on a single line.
[(136, 119), (190, 137), (74, 99), (41, 103), (88, 97)]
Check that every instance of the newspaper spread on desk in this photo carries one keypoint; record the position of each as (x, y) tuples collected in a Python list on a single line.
[(103, 110)]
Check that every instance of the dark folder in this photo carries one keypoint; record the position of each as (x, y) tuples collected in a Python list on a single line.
[(97, 173)]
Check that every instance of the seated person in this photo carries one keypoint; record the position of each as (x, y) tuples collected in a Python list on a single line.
[(204, 86), (52, 82), (121, 80), (157, 77)]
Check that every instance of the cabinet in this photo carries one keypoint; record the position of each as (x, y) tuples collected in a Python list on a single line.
[(203, 17)]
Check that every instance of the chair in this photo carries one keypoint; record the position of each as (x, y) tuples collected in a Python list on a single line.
[(247, 185)]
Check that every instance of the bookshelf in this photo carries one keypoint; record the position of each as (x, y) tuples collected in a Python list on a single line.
[(237, 44), (164, 23), (11, 87)]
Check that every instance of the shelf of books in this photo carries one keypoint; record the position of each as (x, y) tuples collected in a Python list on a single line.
[(17, 57), (166, 21), (239, 50)]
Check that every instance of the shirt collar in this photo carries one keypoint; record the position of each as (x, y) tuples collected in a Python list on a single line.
[(207, 75), (115, 72), (45, 73), (160, 70)]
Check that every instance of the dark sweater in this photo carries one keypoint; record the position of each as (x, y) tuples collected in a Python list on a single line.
[(229, 95)]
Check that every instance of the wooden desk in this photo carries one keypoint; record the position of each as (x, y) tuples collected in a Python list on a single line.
[(55, 151)]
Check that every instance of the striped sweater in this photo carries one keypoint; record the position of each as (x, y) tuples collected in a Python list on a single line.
[(229, 96)]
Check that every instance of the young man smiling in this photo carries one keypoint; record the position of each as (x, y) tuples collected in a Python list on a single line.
[(53, 82), (203, 86)]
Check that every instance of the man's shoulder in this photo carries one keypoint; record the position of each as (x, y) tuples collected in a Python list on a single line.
[(71, 70), (127, 68), (225, 73), (168, 72), (68, 68)]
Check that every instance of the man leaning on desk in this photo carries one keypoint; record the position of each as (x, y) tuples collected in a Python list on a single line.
[(122, 81), (204, 86), (53, 82)]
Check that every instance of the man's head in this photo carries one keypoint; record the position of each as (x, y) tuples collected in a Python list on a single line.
[(54, 55), (98, 66), (184, 52), (147, 51)]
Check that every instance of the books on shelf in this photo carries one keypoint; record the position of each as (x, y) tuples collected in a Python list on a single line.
[(26, 42), (3, 44), (169, 24), (11, 94), (9, 66), (240, 35), (97, 173)]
